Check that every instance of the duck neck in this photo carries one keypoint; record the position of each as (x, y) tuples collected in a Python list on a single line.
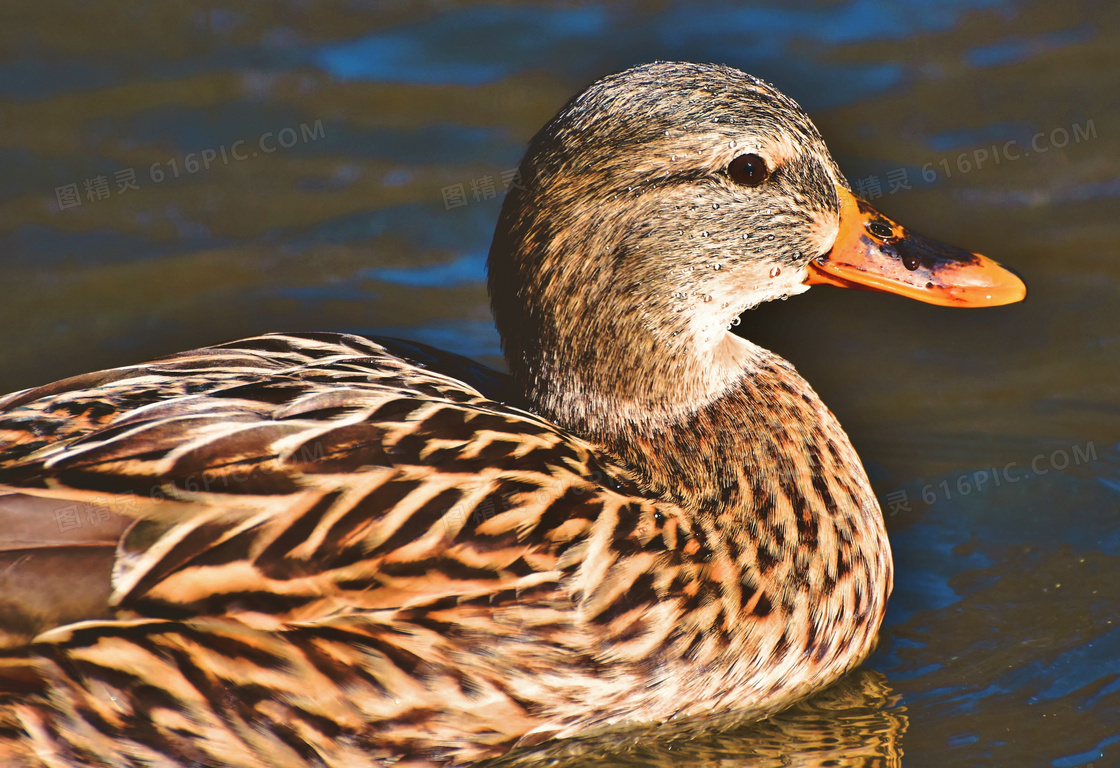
[(602, 339), (765, 443)]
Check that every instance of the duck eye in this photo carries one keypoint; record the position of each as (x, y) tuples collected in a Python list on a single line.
[(748, 170)]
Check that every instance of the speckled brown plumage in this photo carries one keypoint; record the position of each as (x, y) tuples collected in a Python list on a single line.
[(317, 549)]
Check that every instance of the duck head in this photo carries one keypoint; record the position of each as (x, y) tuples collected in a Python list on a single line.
[(656, 207)]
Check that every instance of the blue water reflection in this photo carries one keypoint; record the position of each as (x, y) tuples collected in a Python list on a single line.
[(466, 46), (481, 44), (461, 270), (1017, 49)]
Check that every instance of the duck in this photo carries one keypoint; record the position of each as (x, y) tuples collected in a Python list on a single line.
[(323, 549)]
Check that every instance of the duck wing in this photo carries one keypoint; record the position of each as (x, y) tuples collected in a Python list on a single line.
[(307, 521), (292, 476)]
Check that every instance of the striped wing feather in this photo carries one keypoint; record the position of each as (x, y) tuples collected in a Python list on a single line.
[(336, 554)]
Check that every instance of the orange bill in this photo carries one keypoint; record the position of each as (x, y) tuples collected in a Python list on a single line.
[(872, 252)]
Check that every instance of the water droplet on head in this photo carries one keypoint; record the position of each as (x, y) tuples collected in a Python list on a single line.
[(717, 266), (774, 272), (769, 237), (715, 206), (707, 298)]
